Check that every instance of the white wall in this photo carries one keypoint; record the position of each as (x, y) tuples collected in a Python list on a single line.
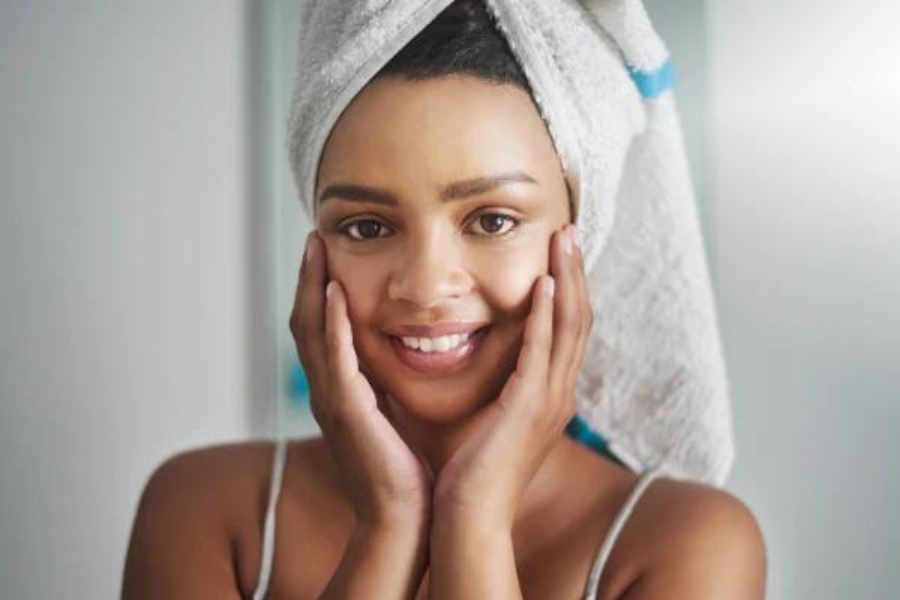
[(125, 296), (806, 187)]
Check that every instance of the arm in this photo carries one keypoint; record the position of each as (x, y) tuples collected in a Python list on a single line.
[(381, 561), (178, 548), (471, 560)]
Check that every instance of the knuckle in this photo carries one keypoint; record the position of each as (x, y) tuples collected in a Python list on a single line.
[(534, 413), (340, 421), (542, 342), (297, 323), (533, 337), (300, 341), (304, 355), (571, 322), (538, 407), (565, 411), (332, 340)]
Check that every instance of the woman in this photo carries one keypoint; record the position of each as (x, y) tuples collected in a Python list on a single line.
[(441, 316)]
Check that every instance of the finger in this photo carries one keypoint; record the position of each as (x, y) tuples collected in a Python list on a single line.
[(340, 354), (567, 314), (308, 316), (587, 313), (298, 292), (534, 357)]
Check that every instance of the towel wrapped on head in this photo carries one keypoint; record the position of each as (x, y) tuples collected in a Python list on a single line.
[(653, 388)]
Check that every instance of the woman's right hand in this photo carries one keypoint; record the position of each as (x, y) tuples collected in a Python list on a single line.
[(388, 484)]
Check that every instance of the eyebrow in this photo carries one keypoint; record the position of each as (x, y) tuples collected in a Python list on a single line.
[(454, 191)]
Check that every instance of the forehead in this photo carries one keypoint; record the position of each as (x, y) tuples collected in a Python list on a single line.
[(437, 130)]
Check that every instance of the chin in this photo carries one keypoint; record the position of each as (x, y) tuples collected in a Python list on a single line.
[(437, 403), (439, 400)]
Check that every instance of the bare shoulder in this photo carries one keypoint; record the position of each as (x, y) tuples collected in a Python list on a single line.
[(195, 507), (698, 541), (198, 529)]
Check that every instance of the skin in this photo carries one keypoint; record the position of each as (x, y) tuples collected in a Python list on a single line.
[(434, 260), (486, 429), (458, 486)]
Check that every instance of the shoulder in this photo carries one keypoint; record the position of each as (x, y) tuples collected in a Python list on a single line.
[(188, 518), (198, 529), (701, 541), (216, 479), (210, 464)]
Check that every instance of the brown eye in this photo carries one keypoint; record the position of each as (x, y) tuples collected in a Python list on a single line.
[(495, 224), (364, 229)]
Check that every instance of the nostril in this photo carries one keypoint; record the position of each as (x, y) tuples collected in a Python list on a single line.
[(427, 298)]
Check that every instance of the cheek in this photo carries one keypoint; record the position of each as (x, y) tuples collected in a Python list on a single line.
[(361, 282), (509, 278)]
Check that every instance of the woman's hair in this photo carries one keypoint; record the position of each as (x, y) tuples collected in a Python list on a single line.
[(463, 39)]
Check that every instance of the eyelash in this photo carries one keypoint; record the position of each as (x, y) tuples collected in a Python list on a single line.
[(345, 229)]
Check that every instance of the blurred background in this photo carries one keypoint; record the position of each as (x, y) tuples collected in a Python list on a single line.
[(150, 240)]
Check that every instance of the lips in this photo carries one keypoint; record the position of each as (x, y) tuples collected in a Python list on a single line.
[(440, 363)]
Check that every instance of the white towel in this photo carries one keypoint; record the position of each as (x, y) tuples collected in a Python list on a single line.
[(653, 385)]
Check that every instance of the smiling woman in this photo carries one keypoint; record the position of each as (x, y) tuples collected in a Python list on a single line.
[(441, 314), (420, 259)]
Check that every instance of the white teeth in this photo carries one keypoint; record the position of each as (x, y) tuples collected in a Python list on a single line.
[(438, 344)]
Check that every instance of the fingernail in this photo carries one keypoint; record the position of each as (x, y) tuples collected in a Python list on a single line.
[(309, 248), (550, 286), (567, 241), (574, 232), (328, 289)]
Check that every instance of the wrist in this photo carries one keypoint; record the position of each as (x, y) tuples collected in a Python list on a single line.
[(452, 513), (413, 523), (469, 523), (467, 556)]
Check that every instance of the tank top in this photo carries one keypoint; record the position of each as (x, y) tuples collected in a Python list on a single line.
[(593, 580)]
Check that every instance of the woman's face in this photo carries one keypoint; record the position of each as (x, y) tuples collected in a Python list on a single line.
[(417, 232)]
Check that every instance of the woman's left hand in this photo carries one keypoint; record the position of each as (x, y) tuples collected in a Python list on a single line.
[(485, 479)]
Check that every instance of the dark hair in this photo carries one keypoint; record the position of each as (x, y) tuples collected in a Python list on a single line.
[(463, 39)]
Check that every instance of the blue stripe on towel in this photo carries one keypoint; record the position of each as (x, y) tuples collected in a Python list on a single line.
[(653, 83), (579, 430)]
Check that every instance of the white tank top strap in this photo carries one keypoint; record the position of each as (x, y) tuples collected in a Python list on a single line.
[(268, 547), (593, 582)]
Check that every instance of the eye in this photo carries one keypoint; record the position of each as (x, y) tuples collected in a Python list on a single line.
[(363, 229), (493, 223)]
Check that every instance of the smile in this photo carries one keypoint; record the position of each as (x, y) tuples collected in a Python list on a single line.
[(438, 344), (438, 355)]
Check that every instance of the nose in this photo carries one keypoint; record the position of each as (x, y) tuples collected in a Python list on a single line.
[(429, 271)]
